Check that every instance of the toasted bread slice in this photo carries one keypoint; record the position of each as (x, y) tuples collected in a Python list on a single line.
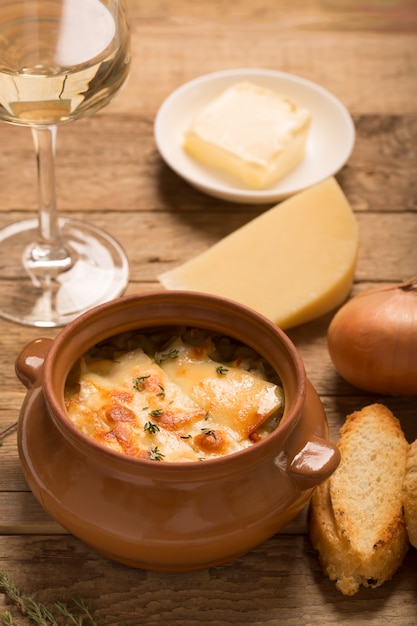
[(356, 519), (410, 494)]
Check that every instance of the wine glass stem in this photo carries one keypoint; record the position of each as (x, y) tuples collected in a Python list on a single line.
[(48, 257), (44, 139)]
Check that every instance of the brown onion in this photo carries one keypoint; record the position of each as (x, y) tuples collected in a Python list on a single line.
[(372, 340)]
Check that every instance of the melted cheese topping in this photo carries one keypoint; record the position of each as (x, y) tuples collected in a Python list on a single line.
[(229, 394), (179, 405)]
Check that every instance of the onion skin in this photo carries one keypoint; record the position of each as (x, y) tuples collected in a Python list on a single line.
[(372, 340)]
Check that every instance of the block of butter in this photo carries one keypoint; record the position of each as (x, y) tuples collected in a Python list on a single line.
[(251, 133), (293, 263)]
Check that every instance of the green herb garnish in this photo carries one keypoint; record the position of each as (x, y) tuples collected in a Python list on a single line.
[(172, 354), (209, 432), (151, 428), (155, 454), (161, 394), (8, 431), (39, 613), (140, 383)]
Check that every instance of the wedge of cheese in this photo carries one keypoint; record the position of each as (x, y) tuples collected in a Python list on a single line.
[(250, 132), (293, 263)]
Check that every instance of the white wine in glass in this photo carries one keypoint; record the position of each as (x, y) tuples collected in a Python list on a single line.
[(60, 60)]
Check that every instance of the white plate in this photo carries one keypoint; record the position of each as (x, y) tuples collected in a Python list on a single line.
[(330, 142)]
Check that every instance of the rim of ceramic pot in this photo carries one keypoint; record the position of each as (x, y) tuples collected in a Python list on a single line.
[(156, 309)]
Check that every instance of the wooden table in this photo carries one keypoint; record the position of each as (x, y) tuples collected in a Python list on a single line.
[(110, 173)]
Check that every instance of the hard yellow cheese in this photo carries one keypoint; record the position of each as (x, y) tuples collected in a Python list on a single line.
[(293, 263), (250, 132)]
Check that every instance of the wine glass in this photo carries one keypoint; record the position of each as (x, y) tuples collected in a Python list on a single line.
[(60, 60)]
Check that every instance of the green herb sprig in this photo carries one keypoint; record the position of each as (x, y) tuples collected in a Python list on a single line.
[(140, 383), (8, 431), (209, 432), (151, 428), (155, 454), (161, 393), (59, 614), (172, 354)]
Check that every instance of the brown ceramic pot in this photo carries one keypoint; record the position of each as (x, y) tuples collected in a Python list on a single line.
[(169, 516)]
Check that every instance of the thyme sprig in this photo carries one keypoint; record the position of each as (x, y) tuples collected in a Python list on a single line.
[(151, 428), (209, 432), (6, 432), (161, 394), (140, 383), (155, 454), (39, 613), (172, 354)]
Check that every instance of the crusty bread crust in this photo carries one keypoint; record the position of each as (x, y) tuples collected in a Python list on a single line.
[(356, 519), (410, 494)]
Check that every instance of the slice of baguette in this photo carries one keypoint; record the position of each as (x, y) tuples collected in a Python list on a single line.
[(410, 494), (356, 520)]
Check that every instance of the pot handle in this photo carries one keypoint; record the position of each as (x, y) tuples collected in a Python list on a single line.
[(314, 463), (316, 459), (30, 361)]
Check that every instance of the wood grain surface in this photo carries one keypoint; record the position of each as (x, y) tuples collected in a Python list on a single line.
[(110, 173)]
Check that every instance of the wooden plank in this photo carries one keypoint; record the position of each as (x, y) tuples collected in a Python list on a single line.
[(11, 476), (22, 514), (131, 176), (343, 47), (280, 582), (387, 244)]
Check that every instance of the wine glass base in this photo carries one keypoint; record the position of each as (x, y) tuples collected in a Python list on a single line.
[(99, 273)]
